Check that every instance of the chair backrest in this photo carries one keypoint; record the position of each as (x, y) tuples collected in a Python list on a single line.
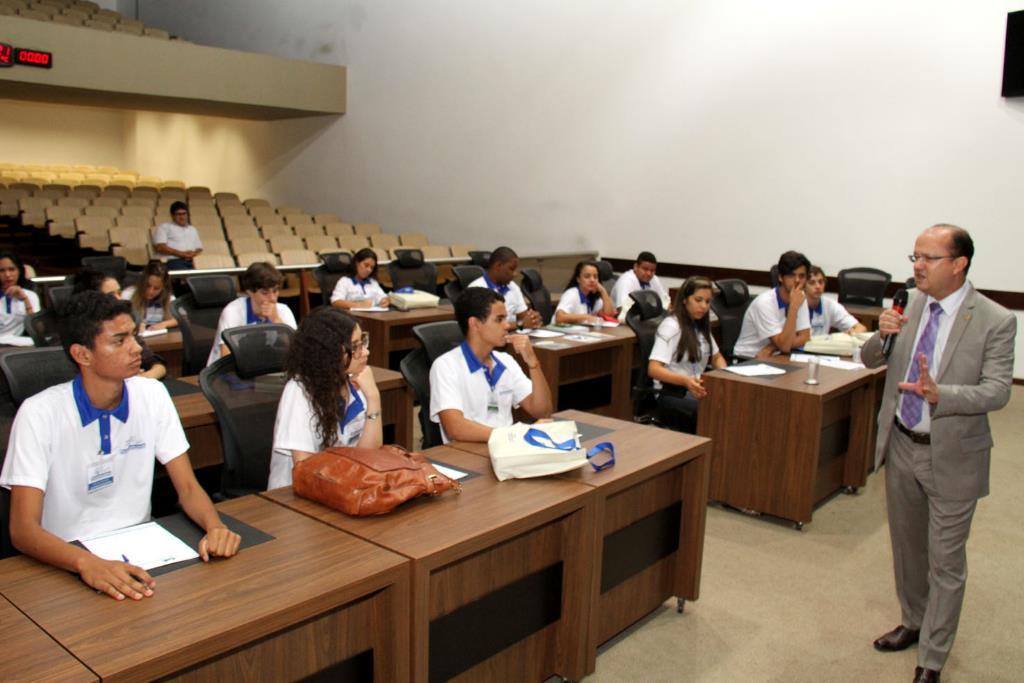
[(259, 349), (452, 290), (643, 318), (114, 266), (606, 274), (863, 286), (336, 264), (415, 369), (479, 258), (467, 274), (42, 328), (408, 269), (729, 303), (438, 338), (29, 371), (246, 409), (537, 294), (59, 295), (198, 313)]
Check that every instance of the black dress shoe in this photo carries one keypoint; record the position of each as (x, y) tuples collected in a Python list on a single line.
[(926, 675), (900, 638)]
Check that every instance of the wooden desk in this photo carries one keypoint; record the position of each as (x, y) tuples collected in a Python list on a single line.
[(168, 346), (867, 315), (310, 600), (500, 572), (392, 331), (652, 506), (31, 655), (604, 366), (781, 446)]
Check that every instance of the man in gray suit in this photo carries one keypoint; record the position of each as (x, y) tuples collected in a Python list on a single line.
[(951, 363)]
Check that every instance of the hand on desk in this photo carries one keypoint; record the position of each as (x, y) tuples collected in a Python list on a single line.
[(530, 319), (117, 579), (695, 385), (219, 542)]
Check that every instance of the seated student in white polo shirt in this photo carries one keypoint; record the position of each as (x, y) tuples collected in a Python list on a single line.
[(585, 299), (360, 289), (641, 277), (81, 455), (683, 348), (19, 301), (177, 242), (501, 269), (474, 387), (777, 320), (261, 283), (331, 398), (827, 314)]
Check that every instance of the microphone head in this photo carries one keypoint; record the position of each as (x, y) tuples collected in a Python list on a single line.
[(899, 300)]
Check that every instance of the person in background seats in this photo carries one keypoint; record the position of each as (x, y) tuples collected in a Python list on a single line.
[(827, 313), (177, 242), (261, 283), (151, 299), (19, 300), (585, 299), (777, 320), (360, 289), (499, 276), (642, 276)]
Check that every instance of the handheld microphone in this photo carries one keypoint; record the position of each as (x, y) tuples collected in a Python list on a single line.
[(899, 302)]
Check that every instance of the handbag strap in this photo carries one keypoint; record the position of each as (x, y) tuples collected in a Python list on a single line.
[(541, 439), (603, 446)]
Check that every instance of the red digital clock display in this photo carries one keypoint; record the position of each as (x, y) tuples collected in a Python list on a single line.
[(9, 56)]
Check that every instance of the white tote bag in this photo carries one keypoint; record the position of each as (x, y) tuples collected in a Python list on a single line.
[(521, 450)]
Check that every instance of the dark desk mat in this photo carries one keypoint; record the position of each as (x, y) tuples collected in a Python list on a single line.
[(589, 431), (470, 474), (175, 387), (184, 528)]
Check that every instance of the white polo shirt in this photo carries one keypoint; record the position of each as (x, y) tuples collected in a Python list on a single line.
[(348, 288), (459, 381), (182, 238), (239, 313), (515, 302), (296, 429), (13, 313), (92, 484), (765, 318), (574, 302), (827, 314), (666, 341), (154, 311), (628, 283)]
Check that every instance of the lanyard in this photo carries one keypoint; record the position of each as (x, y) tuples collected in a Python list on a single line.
[(537, 437)]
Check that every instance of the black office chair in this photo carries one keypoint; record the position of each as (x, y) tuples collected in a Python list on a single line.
[(864, 286), (29, 371), (114, 266), (336, 264), (729, 303), (467, 274), (773, 274), (479, 258), (438, 338), (452, 290), (408, 269), (7, 548), (245, 388), (59, 295), (643, 318), (197, 314), (415, 369), (606, 275), (42, 328), (537, 294)]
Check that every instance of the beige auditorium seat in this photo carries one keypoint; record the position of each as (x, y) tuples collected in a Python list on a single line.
[(198, 190), (122, 192), (135, 256), (146, 192), (322, 243), (151, 181), (108, 211), (382, 254), (246, 259), (33, 210), (366, 229), (434, 251), (129, 237), (240, 219), (239, 231), (412, 239), (156, 33), (298, 257), (61, 220), (51, 192), (232, 210), (134, 222), (205, 260), (462, 250), (325, 218), (215, 246), (90, 192), (68, 19), (141, 200), (250, 203), (124, 179), (272, 231), (298, 219), (282, 210), (339, 229), (141, 211), (100, 179), (249, 245), (309, 230), (104, 200), (286, 243), (93, 232), (353, 243), (384, 240), (173, 184), (226, 197), (268, 219)]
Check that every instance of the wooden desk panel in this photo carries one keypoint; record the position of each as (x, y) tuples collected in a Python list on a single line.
[(392, 331), (781, 446), (306, 601), (30, 655), (168, 346), (480, 546), (655, 471)]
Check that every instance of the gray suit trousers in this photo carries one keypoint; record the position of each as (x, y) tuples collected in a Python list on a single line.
[(929, 546)]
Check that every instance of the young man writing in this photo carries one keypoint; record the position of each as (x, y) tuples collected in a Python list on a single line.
[(826, 313), (474, 387), (777, 320), (80, 458), (501, 268)]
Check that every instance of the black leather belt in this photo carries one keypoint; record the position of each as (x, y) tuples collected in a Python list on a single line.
[(916, 437)]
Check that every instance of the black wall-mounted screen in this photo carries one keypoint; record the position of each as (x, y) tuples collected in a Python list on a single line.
[(1013, 62)]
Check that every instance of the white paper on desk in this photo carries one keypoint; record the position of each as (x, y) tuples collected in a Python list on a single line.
[(549, 344), (805, 357), (758, 370), (12, 340), (567, 329), (153, 333), (147, 545), (370, 309), (586, 338), (603, 323), (543, 334), (449, 472), (841, 364)]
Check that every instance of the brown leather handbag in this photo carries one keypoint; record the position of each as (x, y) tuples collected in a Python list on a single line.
[(367, 481)]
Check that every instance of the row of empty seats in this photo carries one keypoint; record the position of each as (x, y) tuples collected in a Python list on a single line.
[(79, 13)]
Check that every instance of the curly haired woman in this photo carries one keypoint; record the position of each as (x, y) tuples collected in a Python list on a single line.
[(330, 399)]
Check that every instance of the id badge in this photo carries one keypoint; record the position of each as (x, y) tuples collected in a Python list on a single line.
[(492, 403), (100, 476)]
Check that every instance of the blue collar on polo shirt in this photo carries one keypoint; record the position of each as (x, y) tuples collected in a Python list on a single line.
[(474, 364), (7, 300), (250, 315), (778, 297), (361, 283), (353, 409), (89, 413), (500, 289), (817, 310)]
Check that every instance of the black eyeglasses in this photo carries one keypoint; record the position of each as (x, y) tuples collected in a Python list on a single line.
[(914, 258), (363, 343)]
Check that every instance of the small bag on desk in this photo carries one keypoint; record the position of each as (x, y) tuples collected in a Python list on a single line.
[(520, 451), (367, 481)]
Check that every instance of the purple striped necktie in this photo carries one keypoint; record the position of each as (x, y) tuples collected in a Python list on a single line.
[(913, 405)]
